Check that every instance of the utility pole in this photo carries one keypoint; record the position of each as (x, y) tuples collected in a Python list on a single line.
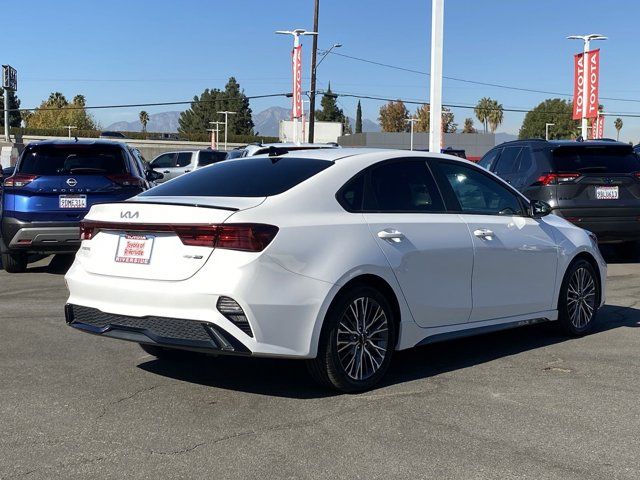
[(226, 126), (9, 84), (546, 130), (435, 97), (215, 132), (585, 76), (314, 51), (412, 121), (69, 127)]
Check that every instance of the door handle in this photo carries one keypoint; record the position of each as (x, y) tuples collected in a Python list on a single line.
[(166, 171), (187, 171), (483, 233), (390, 234)]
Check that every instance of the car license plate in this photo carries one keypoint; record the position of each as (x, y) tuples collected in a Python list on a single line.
[(72, 201), (134, 249), (606, 193)]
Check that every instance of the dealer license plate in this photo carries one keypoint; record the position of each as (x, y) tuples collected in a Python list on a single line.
[(134, 249)]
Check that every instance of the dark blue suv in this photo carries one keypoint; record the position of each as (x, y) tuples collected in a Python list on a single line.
[(54, 185)]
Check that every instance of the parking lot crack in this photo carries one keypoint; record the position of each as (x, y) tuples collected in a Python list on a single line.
[(106, 407)]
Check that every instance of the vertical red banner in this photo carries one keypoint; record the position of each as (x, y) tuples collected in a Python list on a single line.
[(578, 86), (586, 76), (296, 111), (593, 80), (600, 129)]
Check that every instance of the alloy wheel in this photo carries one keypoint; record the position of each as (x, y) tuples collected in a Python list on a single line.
[(581, 298), (362, 338)]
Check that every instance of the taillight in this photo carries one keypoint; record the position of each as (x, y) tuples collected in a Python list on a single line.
[(253, 237), (126, 180), (19, 180), (197, 235), (86, 231), (246, 237), (557, 178)]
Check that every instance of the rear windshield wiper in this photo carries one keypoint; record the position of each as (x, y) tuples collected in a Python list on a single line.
[(87, 170), (591, 169)]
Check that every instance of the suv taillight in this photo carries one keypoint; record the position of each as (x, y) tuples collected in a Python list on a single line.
[(19, 180), (557, 178), (126, 180)]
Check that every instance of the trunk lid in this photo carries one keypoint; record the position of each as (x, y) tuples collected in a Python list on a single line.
[(138, 239)]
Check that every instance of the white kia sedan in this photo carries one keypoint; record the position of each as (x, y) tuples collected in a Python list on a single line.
[(338, 256)]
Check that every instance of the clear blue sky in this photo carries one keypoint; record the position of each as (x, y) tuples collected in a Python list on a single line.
[(149, 51)]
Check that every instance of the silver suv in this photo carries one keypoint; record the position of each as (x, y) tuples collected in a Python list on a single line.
[(174, 164)]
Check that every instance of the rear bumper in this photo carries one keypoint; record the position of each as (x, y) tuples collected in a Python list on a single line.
[(40, 237), (167, 332), (618, 226)]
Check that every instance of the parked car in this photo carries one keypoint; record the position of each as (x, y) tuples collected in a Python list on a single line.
[(116, 135), (338, 257), (458, 152), (174, 164), (281, 148), (594, 184), (53, 186)]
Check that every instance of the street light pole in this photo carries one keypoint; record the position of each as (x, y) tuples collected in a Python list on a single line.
[(296, 43), (585, 78), (70, 127), (412, 121), (314, 52), (215, 134), (546, 130), (226, 126), (435, 96)]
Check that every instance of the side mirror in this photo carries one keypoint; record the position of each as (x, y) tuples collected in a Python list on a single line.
[(152, 175), (540, 208)]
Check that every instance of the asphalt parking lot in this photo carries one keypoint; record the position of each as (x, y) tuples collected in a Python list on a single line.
[(526, 403)]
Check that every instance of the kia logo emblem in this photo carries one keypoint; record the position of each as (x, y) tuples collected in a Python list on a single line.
[(72, 182), (129, 214)]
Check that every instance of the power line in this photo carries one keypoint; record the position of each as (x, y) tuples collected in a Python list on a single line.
[(470, 107), (474, 82), (155, 104)]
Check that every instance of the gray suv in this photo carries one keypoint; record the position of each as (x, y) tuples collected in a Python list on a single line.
[(594, 184)]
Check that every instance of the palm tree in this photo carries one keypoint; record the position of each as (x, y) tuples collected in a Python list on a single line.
[(80, 100), (144, 119), (483, 110), (495, 115), (618, 125), (57, 99)]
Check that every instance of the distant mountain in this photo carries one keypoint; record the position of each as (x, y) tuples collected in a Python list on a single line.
[(164, 122), (266, 123)]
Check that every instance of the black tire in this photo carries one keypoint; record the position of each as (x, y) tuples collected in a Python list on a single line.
[(61, 262), (14, 262), (332, 368), (164, 353), (579, 298)]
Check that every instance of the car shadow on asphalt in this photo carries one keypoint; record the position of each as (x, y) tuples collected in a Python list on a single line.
[(289, 378), (612, 254), (58, 265)]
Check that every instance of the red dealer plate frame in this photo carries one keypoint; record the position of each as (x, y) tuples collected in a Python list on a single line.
[(135, 249)]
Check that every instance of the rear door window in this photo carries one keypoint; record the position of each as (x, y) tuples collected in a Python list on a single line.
[(166, 160), (403, 186), (253, 177), (508, 161), (65, 159), (207, 157), (184, 159), (596, 159)]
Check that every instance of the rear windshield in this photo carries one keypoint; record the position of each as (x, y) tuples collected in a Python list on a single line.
[(600, 159), (69, 158), (207, 157), (250, 177)]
